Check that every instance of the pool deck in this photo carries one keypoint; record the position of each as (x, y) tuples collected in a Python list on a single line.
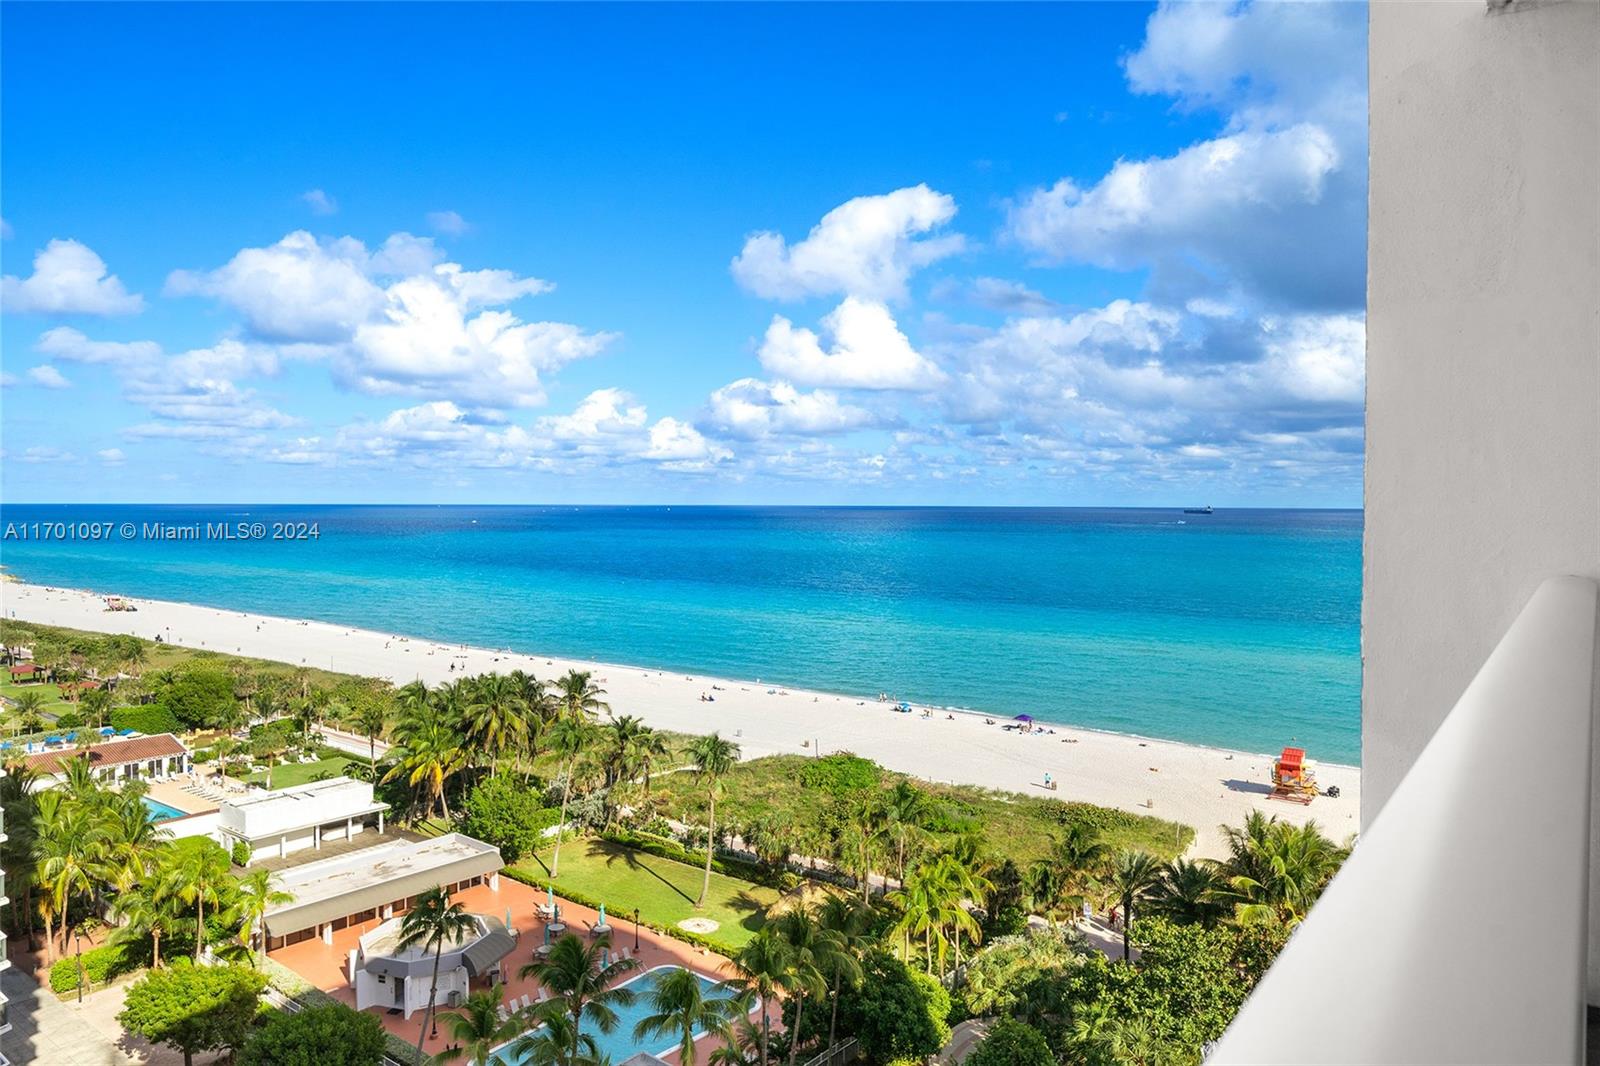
[(172, 794), (323, 964)]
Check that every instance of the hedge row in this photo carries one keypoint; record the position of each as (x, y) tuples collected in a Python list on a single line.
[(721, 947), (100, 965)]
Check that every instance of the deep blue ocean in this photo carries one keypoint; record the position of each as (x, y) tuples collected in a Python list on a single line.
[(1239, 629)]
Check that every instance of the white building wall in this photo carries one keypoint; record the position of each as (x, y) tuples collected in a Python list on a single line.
[(1483, 348)]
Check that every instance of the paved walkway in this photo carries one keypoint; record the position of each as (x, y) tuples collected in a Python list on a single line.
[(48, 1032)]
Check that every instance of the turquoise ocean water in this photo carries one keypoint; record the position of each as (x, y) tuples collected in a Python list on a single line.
[(1239, 629)]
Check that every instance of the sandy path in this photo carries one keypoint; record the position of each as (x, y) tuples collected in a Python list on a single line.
[(1198, 786)]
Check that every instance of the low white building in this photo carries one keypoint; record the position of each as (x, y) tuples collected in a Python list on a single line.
[(375, 883), (115, 759), (278, 823), (385, 975)]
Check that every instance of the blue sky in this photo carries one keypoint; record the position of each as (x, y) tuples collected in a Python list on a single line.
[(1036, 254)]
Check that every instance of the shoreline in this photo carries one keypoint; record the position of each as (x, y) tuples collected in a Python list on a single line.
[(1197, 785)]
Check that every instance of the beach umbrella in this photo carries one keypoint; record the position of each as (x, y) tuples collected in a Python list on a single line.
[(1024, 717), (106, 731), (602, 914), (508, 917), (550, 896)]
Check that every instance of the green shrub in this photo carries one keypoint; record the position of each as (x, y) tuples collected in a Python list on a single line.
[(69, 720), (841, 773), (146, 718), (201, 695), (324, 1035), (240, 853), (100, 965)]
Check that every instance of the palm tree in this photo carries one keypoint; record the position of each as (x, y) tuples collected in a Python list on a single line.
[(256, 896), (428, 755), (95, 704), (919, 898), (959, 880), (907, 807), (494, 718), (202, 875), (149, 908), (569, 737), (621, 735), (431, 924), (714, 759), (814, 953), (579, 979), (1190, 893), (680, 1007), (475, 1027), (1135, 874), (369, 722), (580, 696), (268, 744), (764, 965), (69, 858), (554, 1041), (847, 921), (1276, 870)]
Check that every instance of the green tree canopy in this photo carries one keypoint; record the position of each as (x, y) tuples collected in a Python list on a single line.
[(194, 1008), (200, 695), (896, 1012), (506, 813), (330, 1035), (1012, 1043)]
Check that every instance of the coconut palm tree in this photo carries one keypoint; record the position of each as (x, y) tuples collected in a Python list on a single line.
[(958, 879), (650, 750), (814, 953), (1276, 870), (569, 738), (552, 1043), (369, 721), (1190, 893), (256, 896), (495, 719), (579, 695), (906, 808), (581, 983), (680, 1007), (764, 964), (132, 839), (476, 1027), (1133, 876), (151, 909), (430, 925), (95, 705), (428, 754), (714, 759), (69, 859), (847, 921), (201, 871)]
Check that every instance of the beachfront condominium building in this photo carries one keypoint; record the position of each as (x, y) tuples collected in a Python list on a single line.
[(1463, 927)]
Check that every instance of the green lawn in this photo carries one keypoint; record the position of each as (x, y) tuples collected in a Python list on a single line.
[(664, 891), (53, 703), (294, 773)]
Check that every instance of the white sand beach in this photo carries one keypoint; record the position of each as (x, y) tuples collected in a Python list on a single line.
[(1198, 786)]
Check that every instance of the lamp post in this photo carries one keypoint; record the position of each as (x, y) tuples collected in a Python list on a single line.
[(636, 930)]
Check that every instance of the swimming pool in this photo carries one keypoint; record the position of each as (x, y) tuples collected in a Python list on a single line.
[(160, 812), (619, 1045)]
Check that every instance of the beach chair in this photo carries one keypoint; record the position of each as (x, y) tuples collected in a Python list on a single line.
[(505, 1015), (527, 1001)]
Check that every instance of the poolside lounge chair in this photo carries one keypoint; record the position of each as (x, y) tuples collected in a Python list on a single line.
[(527, 1001)]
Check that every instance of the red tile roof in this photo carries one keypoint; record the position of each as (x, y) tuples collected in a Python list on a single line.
[(111, 753), (24, 668)]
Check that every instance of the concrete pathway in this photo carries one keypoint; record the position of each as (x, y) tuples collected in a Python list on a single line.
[(48, 1032)]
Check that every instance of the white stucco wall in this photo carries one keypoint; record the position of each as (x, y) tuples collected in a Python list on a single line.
[(1483, 347)]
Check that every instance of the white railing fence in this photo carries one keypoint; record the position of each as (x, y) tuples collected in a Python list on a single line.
[(1457, 931)]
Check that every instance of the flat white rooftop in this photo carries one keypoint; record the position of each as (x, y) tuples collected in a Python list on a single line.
[(362, 880), (289, 810)]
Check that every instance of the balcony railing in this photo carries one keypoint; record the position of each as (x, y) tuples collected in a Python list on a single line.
[(1456, 932)]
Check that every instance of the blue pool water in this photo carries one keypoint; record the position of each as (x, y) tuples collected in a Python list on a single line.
[(1239, 629), (160, 812), (619, 1045)]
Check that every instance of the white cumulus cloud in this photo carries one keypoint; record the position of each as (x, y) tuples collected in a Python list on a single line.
[(69, 279), (751, 409), (47, 376), (320, 202), (867, 247), (868, 351)]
